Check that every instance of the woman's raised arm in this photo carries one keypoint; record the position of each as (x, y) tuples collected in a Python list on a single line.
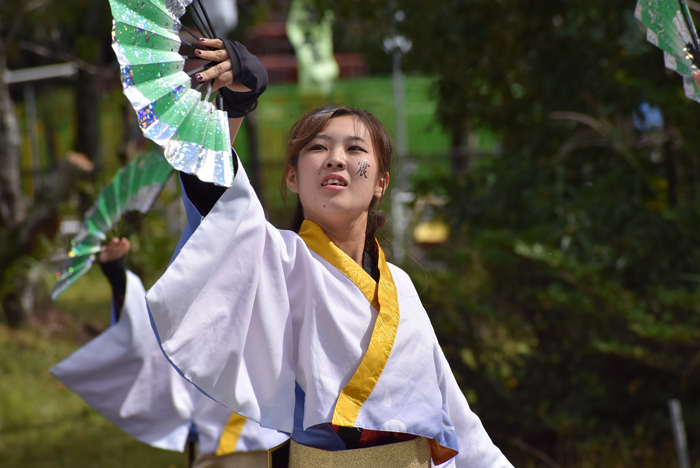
[(241, 79)]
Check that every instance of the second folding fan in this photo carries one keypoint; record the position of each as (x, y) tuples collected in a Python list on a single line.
[(119, 209)]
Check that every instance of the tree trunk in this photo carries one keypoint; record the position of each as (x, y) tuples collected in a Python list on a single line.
[(88, 116), (671, 174), (133, 139), (459, 153), (87, 136), (463, 151), (12, 209)]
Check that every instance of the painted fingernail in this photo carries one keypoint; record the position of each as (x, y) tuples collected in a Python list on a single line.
[(199, 76), (201, 39), (198, 52)]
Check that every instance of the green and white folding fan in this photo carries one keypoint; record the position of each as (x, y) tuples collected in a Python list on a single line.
[(119, 209), (670, 28), (192, 131)]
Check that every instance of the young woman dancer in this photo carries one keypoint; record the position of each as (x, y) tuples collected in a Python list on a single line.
[(310, 331)]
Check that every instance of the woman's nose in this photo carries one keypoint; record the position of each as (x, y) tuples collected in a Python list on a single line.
[(335, 162)]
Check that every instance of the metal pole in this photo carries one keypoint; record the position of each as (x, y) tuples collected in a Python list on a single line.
[(397, 46), (674, 407), (400, 218), (399, 115)]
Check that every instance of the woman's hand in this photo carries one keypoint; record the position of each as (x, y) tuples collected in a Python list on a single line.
[(222, 73), (238, 74), (114, 250)]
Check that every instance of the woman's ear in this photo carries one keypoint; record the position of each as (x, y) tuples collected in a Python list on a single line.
[(291, 177), (382, 185)]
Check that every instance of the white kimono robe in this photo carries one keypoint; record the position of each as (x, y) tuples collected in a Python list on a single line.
[(123, 375), (247, 312)]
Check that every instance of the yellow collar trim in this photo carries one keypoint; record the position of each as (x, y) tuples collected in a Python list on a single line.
[(229, 437), (383, 297)]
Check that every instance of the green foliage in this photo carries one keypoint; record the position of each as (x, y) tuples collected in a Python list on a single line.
[(507, 64), (562, 325)]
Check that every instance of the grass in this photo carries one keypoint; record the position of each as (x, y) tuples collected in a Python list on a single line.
[(42, 423), (89, 300)]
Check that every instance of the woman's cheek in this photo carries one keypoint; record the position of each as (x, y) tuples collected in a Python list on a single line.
[(363, 168)]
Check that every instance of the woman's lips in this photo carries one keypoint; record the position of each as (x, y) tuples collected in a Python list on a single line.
[(333, 187), (339, 182)]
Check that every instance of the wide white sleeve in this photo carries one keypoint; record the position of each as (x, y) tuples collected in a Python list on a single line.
[(476, 450), (221, 310), (123, 375), (255, 437)]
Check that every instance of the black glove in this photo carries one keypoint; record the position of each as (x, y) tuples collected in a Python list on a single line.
[(115, 271), (248, 71)]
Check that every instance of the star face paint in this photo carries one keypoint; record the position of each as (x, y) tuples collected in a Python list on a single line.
[(362, 171)]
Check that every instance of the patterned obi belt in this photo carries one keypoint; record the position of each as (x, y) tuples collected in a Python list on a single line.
[(413, 453)]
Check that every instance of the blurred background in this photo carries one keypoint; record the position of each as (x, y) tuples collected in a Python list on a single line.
[(545, 200)]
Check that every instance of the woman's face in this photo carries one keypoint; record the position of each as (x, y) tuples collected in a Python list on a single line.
[(337, 174)]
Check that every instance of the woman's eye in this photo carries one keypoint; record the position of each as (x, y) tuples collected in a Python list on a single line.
[(357, 148), (317, 148)]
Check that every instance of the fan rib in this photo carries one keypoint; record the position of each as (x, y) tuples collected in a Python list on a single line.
[(206, 17), (200, 22)]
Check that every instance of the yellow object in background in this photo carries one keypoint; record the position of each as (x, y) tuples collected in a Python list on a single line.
[(434, 231)]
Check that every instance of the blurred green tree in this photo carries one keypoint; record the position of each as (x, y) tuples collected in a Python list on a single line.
[(568, 302)]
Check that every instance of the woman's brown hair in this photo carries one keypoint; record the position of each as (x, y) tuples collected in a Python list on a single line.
[(310, 125)]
